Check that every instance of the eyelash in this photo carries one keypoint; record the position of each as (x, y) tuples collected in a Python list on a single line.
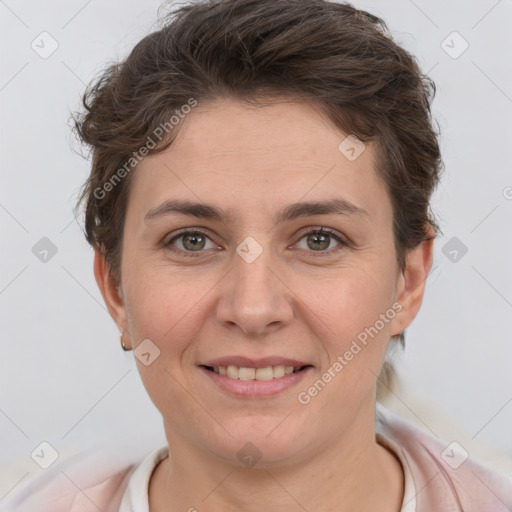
[(343, 243)]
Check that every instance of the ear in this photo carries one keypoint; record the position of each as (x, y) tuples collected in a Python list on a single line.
[(411, 283), (111, 293)]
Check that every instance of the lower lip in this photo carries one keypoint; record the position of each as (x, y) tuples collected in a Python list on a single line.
[(256, 388)]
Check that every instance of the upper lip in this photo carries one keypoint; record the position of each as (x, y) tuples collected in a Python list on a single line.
[(247, 362)]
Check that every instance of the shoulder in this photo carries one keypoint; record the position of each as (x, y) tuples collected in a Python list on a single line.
[(444, 474), (93, 483)]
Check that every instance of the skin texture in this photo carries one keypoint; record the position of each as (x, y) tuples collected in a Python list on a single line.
[(295, 300)]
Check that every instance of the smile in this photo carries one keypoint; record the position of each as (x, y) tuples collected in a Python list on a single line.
[(253, 382)]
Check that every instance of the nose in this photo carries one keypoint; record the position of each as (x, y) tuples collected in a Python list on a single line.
[(254, 297)]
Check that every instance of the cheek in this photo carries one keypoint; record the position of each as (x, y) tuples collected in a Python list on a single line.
[(162, 306), (359, 312), (166, 310)]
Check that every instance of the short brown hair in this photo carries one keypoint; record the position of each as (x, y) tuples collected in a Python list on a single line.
[(340, 59)]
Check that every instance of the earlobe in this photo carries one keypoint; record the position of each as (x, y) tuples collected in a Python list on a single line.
[(110, 292), (411, 283)]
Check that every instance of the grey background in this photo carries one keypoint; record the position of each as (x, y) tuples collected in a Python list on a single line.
[(63, 376)]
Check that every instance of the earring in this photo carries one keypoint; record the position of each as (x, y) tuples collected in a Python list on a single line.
[(124, 347)]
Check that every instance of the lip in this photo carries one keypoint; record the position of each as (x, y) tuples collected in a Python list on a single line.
[(248, 362), (255, 388)]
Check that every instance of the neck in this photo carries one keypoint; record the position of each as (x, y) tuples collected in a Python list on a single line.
[(353, 474)]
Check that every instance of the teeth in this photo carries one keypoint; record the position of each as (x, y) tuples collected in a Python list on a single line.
[(263, 373), (246, 373), (279, 371), (243, 373), (232, 371)]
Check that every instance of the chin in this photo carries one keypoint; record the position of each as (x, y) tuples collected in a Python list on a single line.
[(258, 442)]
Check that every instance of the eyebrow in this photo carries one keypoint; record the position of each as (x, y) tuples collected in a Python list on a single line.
[(288, 213)]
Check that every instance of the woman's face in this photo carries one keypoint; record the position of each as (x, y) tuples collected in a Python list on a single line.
[(243, 275)]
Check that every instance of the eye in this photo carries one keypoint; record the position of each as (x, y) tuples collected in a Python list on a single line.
[(320, 240), (190, 241)]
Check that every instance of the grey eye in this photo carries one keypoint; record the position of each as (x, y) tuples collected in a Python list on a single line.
[(318, 241), (191, 241)]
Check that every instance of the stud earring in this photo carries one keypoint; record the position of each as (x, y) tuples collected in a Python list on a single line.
[(124, 347)]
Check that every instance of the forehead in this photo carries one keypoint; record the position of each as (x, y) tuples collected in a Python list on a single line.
[(260, 157), (272, 132)]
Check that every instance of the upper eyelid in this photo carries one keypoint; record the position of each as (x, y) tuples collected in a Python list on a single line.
[(186, 231)]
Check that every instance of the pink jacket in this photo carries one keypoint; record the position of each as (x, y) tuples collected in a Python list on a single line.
[(444, 480)]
